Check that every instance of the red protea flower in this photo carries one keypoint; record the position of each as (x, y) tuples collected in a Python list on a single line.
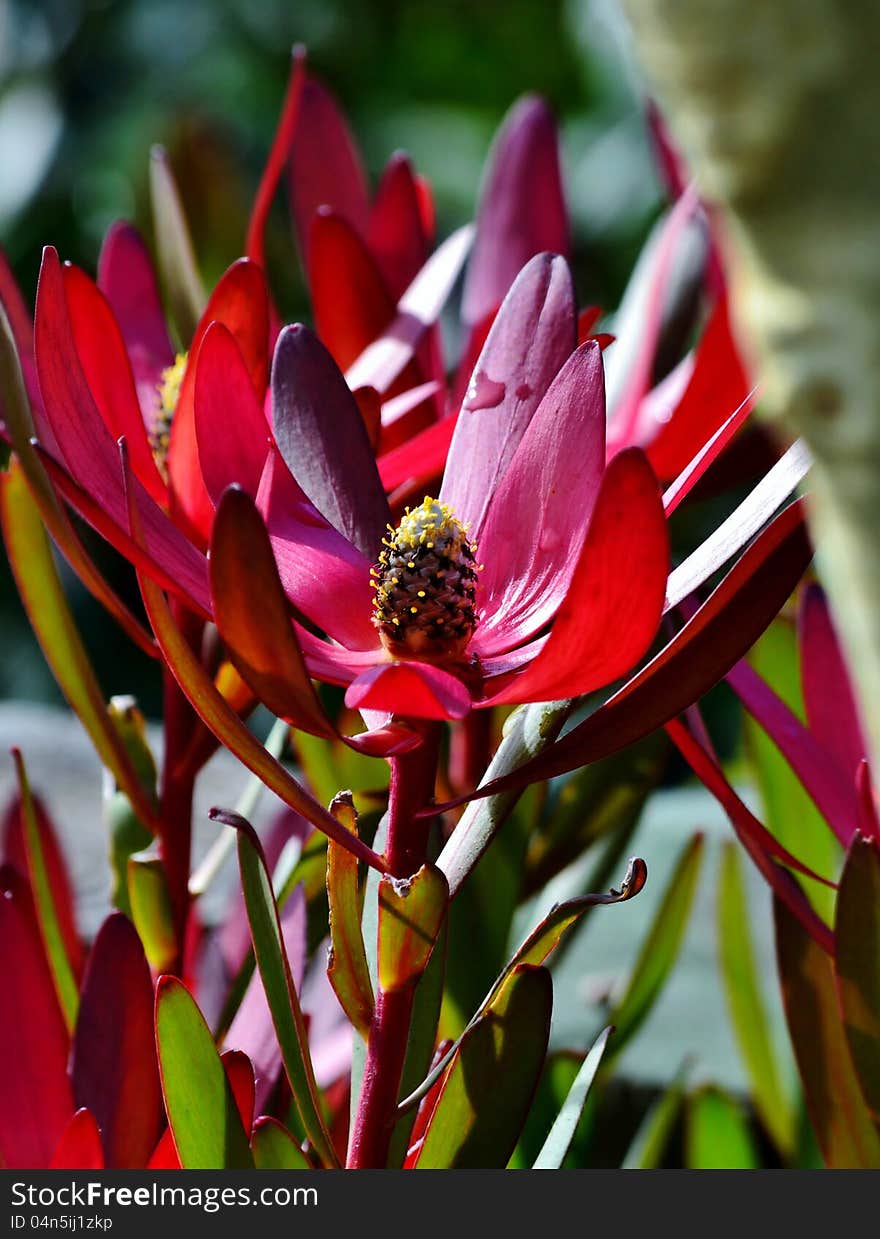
[(537, 572)]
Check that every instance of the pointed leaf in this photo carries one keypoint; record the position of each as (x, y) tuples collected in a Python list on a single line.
[(114, 1069), (80, 1146), (745, 1002), (202, 1111), (275, 1149), (857, 965), (176, 258), (840, 1118), (717, 1136), (278, 156), (557, 1144), (490, 1083), (347, 966), (42, 595), (650, 1141), (274, 966), (60, 965)]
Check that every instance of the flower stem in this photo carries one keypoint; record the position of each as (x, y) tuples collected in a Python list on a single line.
[(412, 787), (176, 798)]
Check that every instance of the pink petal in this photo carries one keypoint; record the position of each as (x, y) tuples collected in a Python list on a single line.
[(831, 708), (224, 393), (323, 575), (410, 689), (522, 208), (539, 515), (128, 281), (530, 340), (613, 606), (325, 168)]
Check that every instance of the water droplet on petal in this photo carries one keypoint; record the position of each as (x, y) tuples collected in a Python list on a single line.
[(483, 392)]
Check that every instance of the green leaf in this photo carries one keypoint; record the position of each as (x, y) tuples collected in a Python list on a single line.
[(490, 1082), (857, 964), (717, 1136), (42, 595), (411, 912), (789, 813), (659, 949), (151, 909), (271, 956), (748, 1016), (331, 765), (562, 1132), (275, 1149), (347, 967), (175, 250), (47, 915), (204, 1118), (649, 1144), (840, 1118)]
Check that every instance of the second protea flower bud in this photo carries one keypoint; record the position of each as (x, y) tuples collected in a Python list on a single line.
[(425, 582)]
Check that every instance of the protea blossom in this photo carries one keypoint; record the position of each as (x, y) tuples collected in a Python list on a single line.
[(537, 571)]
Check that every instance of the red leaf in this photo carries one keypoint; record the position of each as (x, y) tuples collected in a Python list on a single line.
[(80, 1145)]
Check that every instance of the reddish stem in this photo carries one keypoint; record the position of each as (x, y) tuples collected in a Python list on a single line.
[(176, 791), (470, 748), (406, 849)]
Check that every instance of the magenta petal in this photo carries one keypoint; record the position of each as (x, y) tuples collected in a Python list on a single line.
[(90, 453), (128, 281), (533, 335), (325, 168), (232, 433), (831, 708), (522, 208), (323, 575), (538, 518), (411, 689), (322, 437), (612, 609)]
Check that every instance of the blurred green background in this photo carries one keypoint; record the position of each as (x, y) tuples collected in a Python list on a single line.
[(87, 87)]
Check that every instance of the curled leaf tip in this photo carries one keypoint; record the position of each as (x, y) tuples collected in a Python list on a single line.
[(634, 880)]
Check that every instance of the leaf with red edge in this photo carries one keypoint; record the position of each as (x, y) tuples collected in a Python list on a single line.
[(80, 1145), (347, 967), (410, 916), (12, 852), (201, 1106), (350, 300), (223, 382), (240, 302), (274, 1148), (717, 385), (35, 1097), (325, 167), (42, 595), (417, 310), (323, 440), (839, 1116), (240, 1074), (114, 1069), (515, 219), (281, 144), (396, 232), (259, 640), (490, 1083), (60, 965), (107, 369), (857, 965)]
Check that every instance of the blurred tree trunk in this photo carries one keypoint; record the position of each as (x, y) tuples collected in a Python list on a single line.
[(776, 104)]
